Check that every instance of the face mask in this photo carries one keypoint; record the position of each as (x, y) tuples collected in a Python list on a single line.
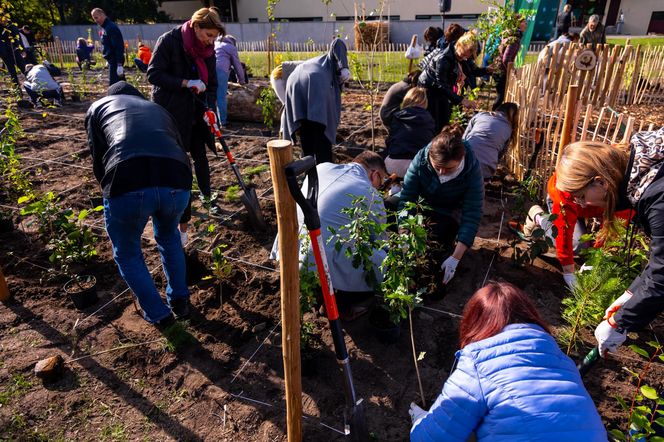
[(449, 177)]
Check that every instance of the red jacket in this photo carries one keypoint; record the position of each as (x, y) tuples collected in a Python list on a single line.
[(144, 54), (568, 213)]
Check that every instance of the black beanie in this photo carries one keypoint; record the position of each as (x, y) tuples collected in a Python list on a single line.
[(124, 88)]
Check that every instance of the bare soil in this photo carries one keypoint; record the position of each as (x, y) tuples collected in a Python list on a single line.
[(226, 382)]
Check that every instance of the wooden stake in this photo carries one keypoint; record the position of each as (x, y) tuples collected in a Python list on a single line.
[(281, 153), (4, 290), (570, 107)]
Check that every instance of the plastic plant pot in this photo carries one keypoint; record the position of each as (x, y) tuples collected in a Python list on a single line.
[(82, 291)]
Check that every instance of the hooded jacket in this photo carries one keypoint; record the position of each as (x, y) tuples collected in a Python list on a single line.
[(488, 134), (313, 92), (464, 193), (227, 55), (643, 190), (514, 386), (411, 129), (169, 66)]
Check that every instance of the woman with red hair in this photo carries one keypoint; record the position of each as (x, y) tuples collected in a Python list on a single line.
[(511, 381)]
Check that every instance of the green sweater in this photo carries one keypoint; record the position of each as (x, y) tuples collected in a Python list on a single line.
[(465, 192)]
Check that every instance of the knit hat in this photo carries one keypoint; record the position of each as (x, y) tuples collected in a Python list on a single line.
[(124, 88)]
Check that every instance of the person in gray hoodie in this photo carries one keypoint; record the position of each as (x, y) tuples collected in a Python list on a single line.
[(40, 85), (490, 133)]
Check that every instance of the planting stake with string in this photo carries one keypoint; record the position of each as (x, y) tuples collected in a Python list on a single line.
[(354, 412)]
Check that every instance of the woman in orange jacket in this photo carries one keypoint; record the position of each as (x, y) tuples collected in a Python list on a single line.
[(143, 59)]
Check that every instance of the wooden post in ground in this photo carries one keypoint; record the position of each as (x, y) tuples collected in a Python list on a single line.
[(568, 124), (4, 290), (281, 153)]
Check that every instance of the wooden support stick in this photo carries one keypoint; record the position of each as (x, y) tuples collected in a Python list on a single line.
[(281, 153), (570, 107), (4, 290)]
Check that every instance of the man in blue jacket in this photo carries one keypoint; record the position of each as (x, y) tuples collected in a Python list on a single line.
[(144, 172), (112, 45)]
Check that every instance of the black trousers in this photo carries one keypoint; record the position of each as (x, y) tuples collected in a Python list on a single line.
[(501, 83), (10, 65), (439, 107), (314, 142), (197, 145)]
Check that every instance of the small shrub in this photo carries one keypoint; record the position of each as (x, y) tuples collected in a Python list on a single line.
[(267, 100)]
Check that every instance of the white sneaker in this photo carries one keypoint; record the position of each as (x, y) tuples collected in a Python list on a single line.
[(184, 238)]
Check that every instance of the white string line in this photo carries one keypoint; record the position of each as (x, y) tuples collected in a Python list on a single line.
[(305, 417), (255, 351), (500, 229)]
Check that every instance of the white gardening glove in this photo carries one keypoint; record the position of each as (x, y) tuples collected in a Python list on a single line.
[(617, 304), (184, 238), (449, 267), (570, 280), (119, 71), (344, 75), (415, 412), (197, 85), (608, 338)]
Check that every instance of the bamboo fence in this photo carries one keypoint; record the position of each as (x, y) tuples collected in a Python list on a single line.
[(623, 75)]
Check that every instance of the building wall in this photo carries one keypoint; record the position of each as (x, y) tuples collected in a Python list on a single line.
[(638, 13), (406, 10), (180, 10)]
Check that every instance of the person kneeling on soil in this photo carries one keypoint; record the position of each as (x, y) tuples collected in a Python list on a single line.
[(447, 176), (511, 381), (40, 85), (490, 133), (411, 129), (144, 172), (339, 185), (570, 222), (611, 178), (394, 97)]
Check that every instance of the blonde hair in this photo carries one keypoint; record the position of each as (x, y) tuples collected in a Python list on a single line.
[(416, 96), (467, 41), (582, 162), (208, 18)]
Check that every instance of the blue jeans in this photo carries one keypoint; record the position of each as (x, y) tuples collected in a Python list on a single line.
[(126, 216), (222, 90)]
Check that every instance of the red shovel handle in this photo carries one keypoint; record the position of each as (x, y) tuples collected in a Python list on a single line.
[(324, 275)]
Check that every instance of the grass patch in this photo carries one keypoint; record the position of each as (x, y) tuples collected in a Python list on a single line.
[(252, 172), (643, 41), (232, 194), (17, 386), (113, 432), (177, 337)]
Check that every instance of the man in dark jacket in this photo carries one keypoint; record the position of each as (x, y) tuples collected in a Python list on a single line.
[(10, 49), (564, 21), (594, 33), (28, 41), (112, 45), (144, 172)]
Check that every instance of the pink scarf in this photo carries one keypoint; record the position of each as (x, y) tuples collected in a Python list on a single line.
[(196, 50)]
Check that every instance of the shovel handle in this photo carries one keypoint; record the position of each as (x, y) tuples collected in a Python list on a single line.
[(587, 363), (308, 204)]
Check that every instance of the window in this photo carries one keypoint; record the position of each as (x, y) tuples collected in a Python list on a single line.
[(253, 20)]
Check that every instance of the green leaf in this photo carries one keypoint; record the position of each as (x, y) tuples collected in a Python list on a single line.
[(622, 403), (619, 435), (82, 214), (654, 344), (657, 438), (649, 392), (638, 350), (24, 199)]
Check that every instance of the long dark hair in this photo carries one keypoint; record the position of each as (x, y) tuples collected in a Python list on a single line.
[(494, 306)]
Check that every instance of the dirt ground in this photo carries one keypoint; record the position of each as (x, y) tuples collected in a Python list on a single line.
[(226, 383)]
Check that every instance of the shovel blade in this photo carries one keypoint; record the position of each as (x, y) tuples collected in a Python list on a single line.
[(250, 201), (359, 432)]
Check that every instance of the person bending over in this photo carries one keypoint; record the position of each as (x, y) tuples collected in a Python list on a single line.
[(40, 85), (140, 163), (395, 95)]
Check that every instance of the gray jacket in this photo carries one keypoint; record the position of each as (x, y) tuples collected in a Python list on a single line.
[(487, 135), (313, 92)]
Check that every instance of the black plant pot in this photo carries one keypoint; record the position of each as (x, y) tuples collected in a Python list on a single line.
[(96, 201), (6, 225), (384, 329), (82, 291)]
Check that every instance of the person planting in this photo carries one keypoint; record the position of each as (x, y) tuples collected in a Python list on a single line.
[(442, 76), (490, 133), (447, 176), (312, 108), (508, 49), (339, 185), (410, 130), (140, 163), (395, 95), (594, 33), (40, 85), (227, 57), (143, 58), (84, 53), (510, 382), (184, 78), (613, 179)]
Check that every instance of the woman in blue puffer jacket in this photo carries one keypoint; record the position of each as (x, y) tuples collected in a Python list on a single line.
[(511, 382)]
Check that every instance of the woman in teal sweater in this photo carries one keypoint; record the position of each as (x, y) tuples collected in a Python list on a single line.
[(447, 176)]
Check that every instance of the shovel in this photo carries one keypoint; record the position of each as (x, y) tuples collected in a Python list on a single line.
[(354, 412), (248, 195)]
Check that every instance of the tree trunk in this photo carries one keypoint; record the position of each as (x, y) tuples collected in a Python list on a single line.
[(242, 103)]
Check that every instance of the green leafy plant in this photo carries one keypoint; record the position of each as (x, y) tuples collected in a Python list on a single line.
[(252, 172), (232, 193), (309, 289), (592, 294), (267, 100), (15, 181), (646, 407), (459, 115), (500, 21), (361, 237), (536, 245)]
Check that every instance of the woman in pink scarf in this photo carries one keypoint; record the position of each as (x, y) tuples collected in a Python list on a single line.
[(184, 81)]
